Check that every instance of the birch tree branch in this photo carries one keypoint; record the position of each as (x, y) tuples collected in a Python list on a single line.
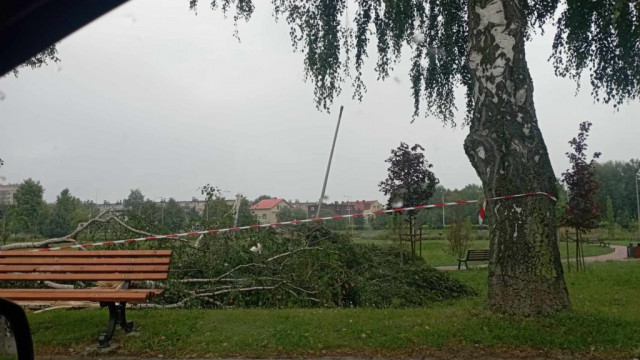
[(53, 285), (204, 295), (36, 244), (71, 238), (199, 241), (237, 268), (292, 252)]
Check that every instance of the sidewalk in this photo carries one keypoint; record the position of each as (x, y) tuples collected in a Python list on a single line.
[(619, 253)]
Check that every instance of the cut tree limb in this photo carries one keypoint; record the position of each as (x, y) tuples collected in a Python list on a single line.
[(204, 295), (36, 244), (102, 218), (54, 285)]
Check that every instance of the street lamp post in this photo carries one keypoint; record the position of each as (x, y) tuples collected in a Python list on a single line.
[(349, 209), (162, 200), (4, 225), (162, 213), (443, 223), (638, 201)]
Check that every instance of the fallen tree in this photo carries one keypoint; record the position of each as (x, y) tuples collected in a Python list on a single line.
[(302, 266), (306, 266), (108, 218)]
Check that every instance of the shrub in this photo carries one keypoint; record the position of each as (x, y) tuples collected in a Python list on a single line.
[(458, 236)]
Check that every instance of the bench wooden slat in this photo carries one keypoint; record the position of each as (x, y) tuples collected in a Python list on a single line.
[(106, 297), (150, 292), (93, 289), (85, 261), (83, 268), (477, 253), (84, 276), (94, 253), (77, 295)]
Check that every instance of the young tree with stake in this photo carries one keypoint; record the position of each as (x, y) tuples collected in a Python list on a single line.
[(581, 212), (410, 182)]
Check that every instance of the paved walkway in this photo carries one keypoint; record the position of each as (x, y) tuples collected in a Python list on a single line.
[(619, 253)]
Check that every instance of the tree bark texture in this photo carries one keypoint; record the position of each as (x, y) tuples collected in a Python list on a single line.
[(506, 148)]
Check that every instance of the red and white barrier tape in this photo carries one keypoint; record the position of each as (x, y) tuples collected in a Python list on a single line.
[(296, 222), (482, 213)]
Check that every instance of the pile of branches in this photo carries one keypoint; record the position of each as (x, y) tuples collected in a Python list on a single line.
[(305, 266), (302, 266)]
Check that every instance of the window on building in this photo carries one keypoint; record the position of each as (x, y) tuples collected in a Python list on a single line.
[(264, 216)]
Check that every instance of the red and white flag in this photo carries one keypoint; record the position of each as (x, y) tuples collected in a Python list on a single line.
[(482, 212)]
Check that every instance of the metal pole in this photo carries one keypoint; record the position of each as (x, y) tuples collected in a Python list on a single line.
[(4, 226), (638, 202), (443, 223), (349, 210), (161, 202), (326, 176)]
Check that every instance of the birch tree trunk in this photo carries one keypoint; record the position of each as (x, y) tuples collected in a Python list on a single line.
[(506, 148)]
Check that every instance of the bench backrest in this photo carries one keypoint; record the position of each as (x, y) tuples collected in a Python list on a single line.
[(102, 265), (477, 254)]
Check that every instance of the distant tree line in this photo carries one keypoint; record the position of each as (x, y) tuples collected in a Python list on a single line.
[(616, 200), (433, 218), (31, 216), (618, 189), (616, 196)]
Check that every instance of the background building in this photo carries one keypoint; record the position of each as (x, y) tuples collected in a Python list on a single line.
[(267, 209), (6, 193), (366, 207)]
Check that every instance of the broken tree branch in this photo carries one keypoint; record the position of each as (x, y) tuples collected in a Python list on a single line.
[(237, 268), (205, 295), (199, 241), (293, 252), (102, 218), (53, 285), (36, 244)]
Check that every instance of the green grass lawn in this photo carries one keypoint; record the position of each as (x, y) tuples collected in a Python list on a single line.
[(435, 251), (623, 236), (604, 323), (625, 242)]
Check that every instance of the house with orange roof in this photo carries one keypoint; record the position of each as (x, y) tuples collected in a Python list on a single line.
[(267, 209)]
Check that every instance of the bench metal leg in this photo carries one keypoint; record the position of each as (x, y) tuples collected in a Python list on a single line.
[(125, 325), (117, 316)]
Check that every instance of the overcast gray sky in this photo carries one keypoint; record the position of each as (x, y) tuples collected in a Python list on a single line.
[(152, 96)]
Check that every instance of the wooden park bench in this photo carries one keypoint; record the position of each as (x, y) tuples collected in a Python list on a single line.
[(120, 266), (474, 255), (594, 240)]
